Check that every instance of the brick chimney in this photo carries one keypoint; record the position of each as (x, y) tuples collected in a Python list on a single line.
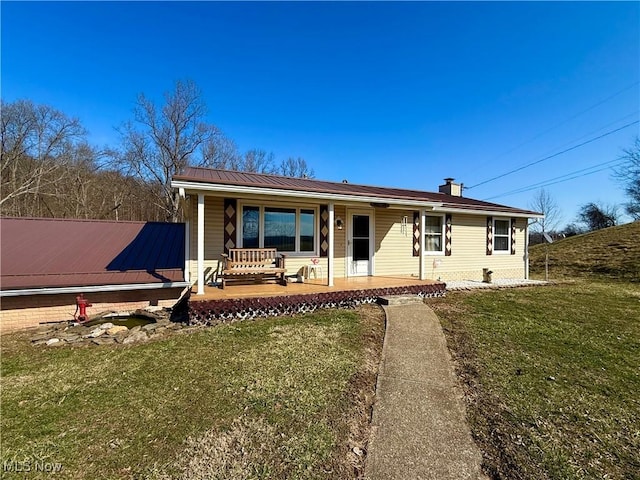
[(451, 188)]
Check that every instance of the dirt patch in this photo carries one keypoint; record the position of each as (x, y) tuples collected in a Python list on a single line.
[(361, 393)]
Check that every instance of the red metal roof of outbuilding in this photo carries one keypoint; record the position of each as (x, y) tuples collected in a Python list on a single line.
[(39, 253)]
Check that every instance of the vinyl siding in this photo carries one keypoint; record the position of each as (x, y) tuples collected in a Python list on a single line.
[(214, 243), (393, 245), (468, 252), (340, 245), (213, 236)]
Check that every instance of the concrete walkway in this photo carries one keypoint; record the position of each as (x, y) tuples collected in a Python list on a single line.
[(419, 430)]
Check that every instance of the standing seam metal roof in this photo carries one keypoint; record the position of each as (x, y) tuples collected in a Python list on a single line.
[(261, 180), (39, 253)]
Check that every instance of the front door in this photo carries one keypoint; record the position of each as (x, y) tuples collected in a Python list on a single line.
[(359, 244)]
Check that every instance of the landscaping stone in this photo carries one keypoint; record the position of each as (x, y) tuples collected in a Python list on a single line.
[(70, 337), (116, 315), (116, 329), (120, 336), (141, 313), (96, 333), (41, 337), (138, 336), (66, 333)]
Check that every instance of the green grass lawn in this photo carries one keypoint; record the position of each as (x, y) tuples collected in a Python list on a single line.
[(552, 376), (277, 398)]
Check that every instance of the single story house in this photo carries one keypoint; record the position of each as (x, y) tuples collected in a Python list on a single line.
[(46, 263), (349, 230)]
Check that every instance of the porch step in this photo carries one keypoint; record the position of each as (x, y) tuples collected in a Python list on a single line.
[(399, 299)]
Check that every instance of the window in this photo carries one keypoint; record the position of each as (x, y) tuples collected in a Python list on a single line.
[(251, 227), (280, 229), (501, 235), (287, 229), (433, 227), (307, 230)]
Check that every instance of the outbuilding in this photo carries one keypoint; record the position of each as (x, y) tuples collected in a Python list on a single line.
[(47, 263)]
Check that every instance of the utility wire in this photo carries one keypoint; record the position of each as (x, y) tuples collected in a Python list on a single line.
[(593, 132), (554, 155), (565, 121), (563, 178)]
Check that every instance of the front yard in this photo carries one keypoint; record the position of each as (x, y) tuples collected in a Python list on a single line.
[(277, 398), (552, 377)]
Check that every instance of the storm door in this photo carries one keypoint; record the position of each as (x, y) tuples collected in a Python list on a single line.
[(360, 244)]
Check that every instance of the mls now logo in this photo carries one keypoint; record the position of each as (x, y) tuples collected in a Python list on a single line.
[(30, 466)]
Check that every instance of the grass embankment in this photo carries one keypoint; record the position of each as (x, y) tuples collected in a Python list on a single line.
[(612, 253), (278, 398), (552, 374)]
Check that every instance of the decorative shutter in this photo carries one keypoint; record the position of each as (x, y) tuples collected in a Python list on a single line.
[(324, 230), (230, 223), (513, 236), (489, 235), (447, 235), (416, 234)]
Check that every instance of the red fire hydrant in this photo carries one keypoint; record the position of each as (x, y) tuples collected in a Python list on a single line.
[(81, 305)]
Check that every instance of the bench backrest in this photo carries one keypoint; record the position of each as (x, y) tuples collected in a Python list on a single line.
[(252, 257)]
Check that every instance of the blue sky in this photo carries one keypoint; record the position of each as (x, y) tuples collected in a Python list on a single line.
[(393, 94)]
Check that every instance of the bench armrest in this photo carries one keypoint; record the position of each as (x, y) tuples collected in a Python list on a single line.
[(280, 260)]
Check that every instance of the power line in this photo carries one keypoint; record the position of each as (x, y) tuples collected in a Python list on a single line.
[(565, 121), (563, 178), (593, 132), (555, 154)]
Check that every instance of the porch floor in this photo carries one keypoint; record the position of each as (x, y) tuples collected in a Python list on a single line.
[(309, 287)]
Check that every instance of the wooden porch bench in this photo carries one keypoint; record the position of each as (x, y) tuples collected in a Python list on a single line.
[(258, 264)]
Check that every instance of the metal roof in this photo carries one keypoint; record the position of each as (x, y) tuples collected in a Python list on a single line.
[(45, 253), (277, 182)]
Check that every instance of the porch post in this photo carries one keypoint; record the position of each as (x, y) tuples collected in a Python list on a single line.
[(200, 244), (526, 249), (423, 268), (187, 249), (331, 242)]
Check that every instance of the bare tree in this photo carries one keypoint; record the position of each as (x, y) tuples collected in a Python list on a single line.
[(258, 161), (597, 216), (162, 141), (296, 167), (221, 152), (38, 141), (544, 203), (629, 174)]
